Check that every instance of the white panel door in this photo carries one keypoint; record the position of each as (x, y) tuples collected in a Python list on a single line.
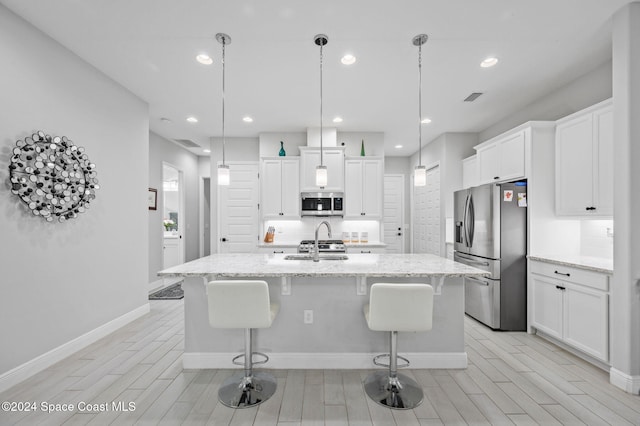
[(393, 220), (238, 210), (419, 235), (426, 214), (433, 211)]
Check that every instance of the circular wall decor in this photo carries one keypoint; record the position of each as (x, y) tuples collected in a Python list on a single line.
[(52, 176)]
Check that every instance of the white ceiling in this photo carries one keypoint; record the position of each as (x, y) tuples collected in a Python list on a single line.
[(149, 46)]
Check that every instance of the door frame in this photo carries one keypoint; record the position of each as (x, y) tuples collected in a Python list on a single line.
[(181, 209)]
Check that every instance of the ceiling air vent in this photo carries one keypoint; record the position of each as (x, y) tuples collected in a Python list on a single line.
[(187, 143), (472, 97)]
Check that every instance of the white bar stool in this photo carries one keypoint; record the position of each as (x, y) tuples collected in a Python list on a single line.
[(397, 307), (243, 304)]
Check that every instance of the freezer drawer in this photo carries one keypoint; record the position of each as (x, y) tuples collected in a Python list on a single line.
[(489, 265), (482, 300)]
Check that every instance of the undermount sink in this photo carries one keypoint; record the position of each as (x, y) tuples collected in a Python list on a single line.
[(322, 257)]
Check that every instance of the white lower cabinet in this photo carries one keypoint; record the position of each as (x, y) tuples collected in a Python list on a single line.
[(571, 305)]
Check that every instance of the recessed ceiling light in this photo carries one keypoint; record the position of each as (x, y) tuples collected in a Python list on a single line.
[(204, 59), (398, 146), (247, 119), (489, 62), (192, 119), (337, 120), (206, 151), (426, 121), (165, 120), (348, 59)]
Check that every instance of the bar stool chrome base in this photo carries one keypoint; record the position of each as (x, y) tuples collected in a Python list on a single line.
[(240, 391), (399, 392)]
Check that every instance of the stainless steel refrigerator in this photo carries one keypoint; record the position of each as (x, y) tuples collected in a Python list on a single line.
[(491, 233)]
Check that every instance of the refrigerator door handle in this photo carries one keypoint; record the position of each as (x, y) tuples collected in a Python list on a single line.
[(471, 217), (465, 224)]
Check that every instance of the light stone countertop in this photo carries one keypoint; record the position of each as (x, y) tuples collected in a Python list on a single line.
[(596, 264), (358, 265)]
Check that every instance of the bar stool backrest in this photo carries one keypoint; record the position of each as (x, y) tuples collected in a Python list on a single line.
[(400, 307), (239, 304)]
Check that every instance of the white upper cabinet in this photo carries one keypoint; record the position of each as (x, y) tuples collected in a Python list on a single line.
[(502, 158), (584, 162), (333, 158), (470, 172), (280, 188), (363, 188)]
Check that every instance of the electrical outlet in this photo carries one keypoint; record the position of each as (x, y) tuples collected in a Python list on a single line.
[(285, 287), (308, 316), (361, 286)]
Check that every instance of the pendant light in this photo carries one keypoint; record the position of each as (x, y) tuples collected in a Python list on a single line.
[(420, 172), (321, 170), (224, 177)]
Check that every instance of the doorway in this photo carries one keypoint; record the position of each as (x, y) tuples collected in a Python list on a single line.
[(393, 219), (205, 216), (173, 216), (426, 214), (238, 214)]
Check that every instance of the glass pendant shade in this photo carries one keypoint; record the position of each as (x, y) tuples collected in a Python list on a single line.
[(224, 177), (321, 176), (420, 176)]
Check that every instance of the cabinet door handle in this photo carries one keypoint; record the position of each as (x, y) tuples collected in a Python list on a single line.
[(559, 287), (276, 251), (365, 251), (590, 208), (496, 177), (362, 214), (399, 233), (561, 273)]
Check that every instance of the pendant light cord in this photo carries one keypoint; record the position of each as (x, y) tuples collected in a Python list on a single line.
[(223, 67), (321, 44), (420, 103)]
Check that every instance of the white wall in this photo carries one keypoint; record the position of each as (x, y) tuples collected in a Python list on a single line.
[(161, 150), (62, 280), (584, 91)]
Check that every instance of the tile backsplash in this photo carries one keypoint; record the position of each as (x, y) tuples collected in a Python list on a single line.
[(596, 238)]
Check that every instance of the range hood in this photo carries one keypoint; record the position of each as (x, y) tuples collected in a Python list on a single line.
[(329, 137)]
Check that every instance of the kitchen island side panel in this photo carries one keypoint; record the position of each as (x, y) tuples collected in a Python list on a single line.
[(338, 324)]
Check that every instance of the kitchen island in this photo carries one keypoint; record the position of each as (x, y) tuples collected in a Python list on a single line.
[(335, 291)]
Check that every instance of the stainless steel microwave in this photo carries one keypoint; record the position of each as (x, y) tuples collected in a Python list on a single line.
[(322, 203)]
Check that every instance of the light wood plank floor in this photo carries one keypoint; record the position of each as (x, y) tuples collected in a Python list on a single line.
[(512, 378)]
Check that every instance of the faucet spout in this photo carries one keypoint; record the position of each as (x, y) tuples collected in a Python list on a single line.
[(316, 250)]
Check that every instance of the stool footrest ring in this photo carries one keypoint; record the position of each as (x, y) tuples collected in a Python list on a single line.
[(241, 356), (381, 364)]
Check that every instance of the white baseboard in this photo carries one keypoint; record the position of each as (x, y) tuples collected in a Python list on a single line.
[(330, 361), (627, 383), (36, 365)]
